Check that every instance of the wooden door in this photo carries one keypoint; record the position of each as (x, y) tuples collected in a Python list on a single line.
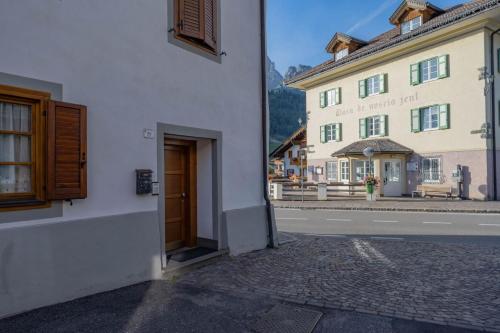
[(180, 194)]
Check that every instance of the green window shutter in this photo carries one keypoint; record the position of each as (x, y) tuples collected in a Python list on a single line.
[(383, 83), (415, 120), (444, 116), (338, 132), (443, 66), (338, 97), (415, 74), (384, 125), (362, 128), (362, 88), (322, 99), (322, 134)]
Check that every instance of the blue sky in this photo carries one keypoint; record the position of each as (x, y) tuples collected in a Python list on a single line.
[(298, 30)]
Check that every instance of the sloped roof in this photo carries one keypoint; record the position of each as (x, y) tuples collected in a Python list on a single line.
[(385, 146), (394, 37), (299, 134), (341, 37), (417, 4)]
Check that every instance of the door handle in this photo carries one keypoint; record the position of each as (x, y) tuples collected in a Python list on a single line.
[(183, 195)]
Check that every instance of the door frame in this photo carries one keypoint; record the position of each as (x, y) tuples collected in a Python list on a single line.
[(382, 165), (191, 133), (190, 234)]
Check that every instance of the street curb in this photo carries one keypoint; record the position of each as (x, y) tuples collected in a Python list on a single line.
[(381, 209)]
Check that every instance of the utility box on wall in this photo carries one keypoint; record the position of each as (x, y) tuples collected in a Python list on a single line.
[(144, 181)]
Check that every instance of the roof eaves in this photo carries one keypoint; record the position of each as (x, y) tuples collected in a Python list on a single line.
[(372, 49)]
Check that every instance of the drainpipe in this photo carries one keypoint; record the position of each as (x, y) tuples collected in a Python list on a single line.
[(265, 148), (493, 110)]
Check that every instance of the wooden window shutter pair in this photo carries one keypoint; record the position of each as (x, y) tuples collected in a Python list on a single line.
[(197, 19), (66, 151)]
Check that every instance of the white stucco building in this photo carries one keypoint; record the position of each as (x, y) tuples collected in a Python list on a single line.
[(424, 95), (153, 86)]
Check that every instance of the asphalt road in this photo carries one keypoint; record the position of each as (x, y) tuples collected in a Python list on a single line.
[(440, 227)]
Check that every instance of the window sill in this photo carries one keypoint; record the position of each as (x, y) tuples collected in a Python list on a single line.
[(7, 206)]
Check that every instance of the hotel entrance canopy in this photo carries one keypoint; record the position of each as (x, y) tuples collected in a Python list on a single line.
[(380, 146)]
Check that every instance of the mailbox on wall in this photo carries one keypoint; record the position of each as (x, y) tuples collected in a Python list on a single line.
[(144, 181)]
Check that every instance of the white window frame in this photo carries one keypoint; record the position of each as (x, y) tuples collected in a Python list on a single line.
[(341, 54), (433, 172), (433, 111), (367, 169), (330, 133), (371, 126), (373, 85), (345, 171), (411, 25), (331, 97), (428, 68), (331, 173)]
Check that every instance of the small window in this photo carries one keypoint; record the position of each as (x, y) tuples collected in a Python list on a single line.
[(363, 169), (431, 170), (411, 25), (331, 171), (341, 54), (331, 132), (374, 128), (331, 97), (373, 85), (430, 70), (430, 118), (344, 171), (196, 23)]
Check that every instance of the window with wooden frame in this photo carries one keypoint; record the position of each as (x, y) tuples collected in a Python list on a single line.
[(196, 23), (42, 149)]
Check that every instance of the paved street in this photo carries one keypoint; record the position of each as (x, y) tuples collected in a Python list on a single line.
[(166, 306), (443, 283), (444, 227)]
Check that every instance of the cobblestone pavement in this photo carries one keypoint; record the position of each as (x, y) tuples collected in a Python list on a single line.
[(451, 284), (397, 204)]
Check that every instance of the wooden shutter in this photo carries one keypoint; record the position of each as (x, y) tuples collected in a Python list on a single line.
[(383, 83), (362, 128), (322, 99), (338, 132), (443, 67), (66, 151), (362, 88), (415, 74), (191, 17), (211, 23), (384, 123), (322, 134), (444, 116), (338, 98), (415, 120)]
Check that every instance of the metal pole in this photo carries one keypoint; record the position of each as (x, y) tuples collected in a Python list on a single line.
[(302, 175)]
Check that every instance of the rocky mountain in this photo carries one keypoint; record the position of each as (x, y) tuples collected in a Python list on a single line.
[(274, 78), (286, 105), (294, 71)]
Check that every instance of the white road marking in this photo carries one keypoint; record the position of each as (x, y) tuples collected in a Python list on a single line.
[(489, 225), (293, 218), (339, 220), (327, 235), (382, 221), (437, 223), (389, 238)]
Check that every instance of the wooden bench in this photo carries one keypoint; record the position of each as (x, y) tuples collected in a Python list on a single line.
[(433, 190)]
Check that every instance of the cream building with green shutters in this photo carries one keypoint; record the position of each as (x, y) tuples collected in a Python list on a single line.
[(417, 95)]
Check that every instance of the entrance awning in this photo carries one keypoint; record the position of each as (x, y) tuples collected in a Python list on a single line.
[(380, 146)]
